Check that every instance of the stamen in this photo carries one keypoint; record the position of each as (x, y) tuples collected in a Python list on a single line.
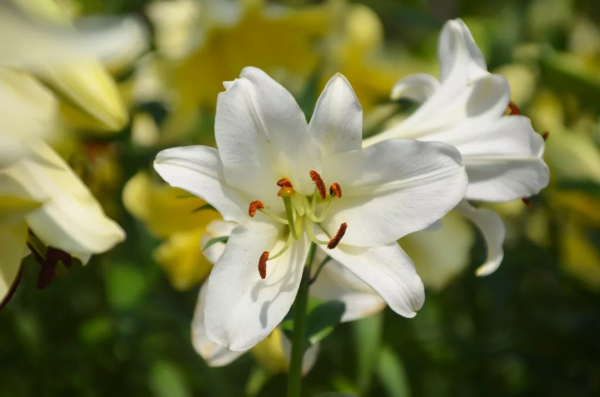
[(314, 175), (287, 245), (335, 190), (514, 109), (262, 264), (311, 234), (284, 182), (526, 201), (545, 135), (254, 206), (338, 236)]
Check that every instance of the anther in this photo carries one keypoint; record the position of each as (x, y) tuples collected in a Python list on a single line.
[(284, 182), (514, 109), (338, 236), (314, 175), (262, 264), (254, 206), (526, 201), (335, 190), (545, 135)]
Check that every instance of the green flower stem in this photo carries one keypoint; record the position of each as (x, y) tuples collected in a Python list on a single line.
[(299, 334)]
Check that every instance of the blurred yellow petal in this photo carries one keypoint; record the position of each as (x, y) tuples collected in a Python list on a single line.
[(14, 208), (270, 354), (580, 257), (546, 112), (573, 156), (181, 258), (440, 254), (164, 209), (12, 247), (522, 82)]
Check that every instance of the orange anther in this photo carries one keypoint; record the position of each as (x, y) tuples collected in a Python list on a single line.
[(335, 190), (254, 206), (284, 182), (514, 109), (262, 264), (314, 175), (338, 236), (545, 134), (526, 201)]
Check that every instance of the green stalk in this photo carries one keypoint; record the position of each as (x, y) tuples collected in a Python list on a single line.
[(299, 334)]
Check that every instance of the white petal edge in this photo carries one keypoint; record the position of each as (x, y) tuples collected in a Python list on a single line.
[(198, 170), (458, 53), (214, 354), (393, 188), (241, 308), (389, 271), (418, 87), (492, 228), (337, 120)]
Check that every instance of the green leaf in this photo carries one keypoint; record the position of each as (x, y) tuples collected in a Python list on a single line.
[(125, 286), (189, 195), (589, 187), (367, 340), (308, 96), (391, 374), (204, 207), (256, 381), (322, 318), (213, 241), (168, 380)]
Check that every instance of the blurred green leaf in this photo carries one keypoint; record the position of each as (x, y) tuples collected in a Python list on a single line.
[(391, 374), (588, 187), (125, 286), (567, 73), (96, 329), (257, 380), (367, 340), (167, 380)]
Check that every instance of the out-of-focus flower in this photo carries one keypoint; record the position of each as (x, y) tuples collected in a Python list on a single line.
[(50, 201), (227, 36), (466, 108), (268, 163), (170, 214)]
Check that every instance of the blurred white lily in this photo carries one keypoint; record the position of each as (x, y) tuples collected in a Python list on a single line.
[(502, 154), (42, 194), (45, 43), (269, 176)]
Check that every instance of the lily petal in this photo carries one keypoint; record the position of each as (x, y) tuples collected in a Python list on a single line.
[(12, 246), (493, 230), (389, 271), (504, 161), (337, 120), (71, 219), (336, 282), (459, 56), (198, 170), (262, 137), (418, 87), (214, 354), (241, 308), (392, 189), (216, 229), (440, 254)]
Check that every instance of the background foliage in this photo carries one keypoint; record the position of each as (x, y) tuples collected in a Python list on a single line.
[(118, 327)]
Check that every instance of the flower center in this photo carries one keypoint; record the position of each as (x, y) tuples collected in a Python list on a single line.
[(300, 211)]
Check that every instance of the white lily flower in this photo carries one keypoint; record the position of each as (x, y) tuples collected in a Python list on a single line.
[(269, 176), (502, 154)]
